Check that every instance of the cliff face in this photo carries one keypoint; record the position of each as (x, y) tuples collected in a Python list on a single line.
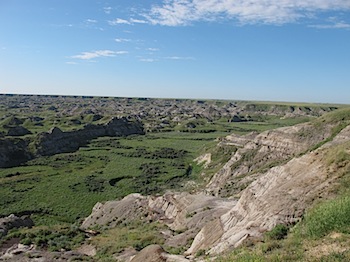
[(257, 152), (16, 151), (56, 141), (278, 196)]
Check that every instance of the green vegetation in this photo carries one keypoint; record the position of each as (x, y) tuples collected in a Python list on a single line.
[(136, 234), (51, 238), (107, 168), (58, 191), (278, 233)]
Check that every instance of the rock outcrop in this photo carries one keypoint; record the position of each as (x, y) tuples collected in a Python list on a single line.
[(55, 141), (261, 151), (29, 253), (295, 184), (18, 131), (218, 224), (13, 151), (13, 221), (155, 253), (183, 212)]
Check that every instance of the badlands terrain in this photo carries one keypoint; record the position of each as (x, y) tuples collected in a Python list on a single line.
[(141, 179)]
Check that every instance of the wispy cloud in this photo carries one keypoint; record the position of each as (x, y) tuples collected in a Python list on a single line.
[(119, 21), (179, 58), (131, 21), (184, 12), (138, 21), (98, 53), (93, 21), (120, 40), (153, 49), (333, 23), (148, 60), (107, 10), (333, 26)]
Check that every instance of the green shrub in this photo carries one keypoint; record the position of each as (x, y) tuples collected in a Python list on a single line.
[(277, 233)]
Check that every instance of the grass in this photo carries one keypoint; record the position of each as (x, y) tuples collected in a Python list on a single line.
[(329, 216), (86, 175), (54, 238), (136, 234)]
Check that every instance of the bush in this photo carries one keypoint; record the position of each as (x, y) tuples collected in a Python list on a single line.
[(279, 232)]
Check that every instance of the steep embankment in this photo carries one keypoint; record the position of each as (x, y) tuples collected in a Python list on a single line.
[(278, 196), (259, 152)]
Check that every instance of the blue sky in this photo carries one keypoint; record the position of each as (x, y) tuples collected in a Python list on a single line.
[(275, 50)]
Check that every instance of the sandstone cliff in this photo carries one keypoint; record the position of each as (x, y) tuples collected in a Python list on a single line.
[(257, 152), (278, 196)]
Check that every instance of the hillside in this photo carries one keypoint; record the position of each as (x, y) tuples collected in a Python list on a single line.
[(151, 200)]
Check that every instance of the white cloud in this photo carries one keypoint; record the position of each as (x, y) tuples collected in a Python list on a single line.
[(179, 58), (153, 49), (120, 40), (118, 21), (339, 25), (93, 21), (131, 21), (183, 12), (149, 60), (138, 21), (98, 53), (107, 9), (333, 23)]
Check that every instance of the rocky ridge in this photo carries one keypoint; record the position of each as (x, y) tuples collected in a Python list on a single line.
[(296, 181), (258, 151), (181, 212), (14, 151), (295, 184), (55, 141)]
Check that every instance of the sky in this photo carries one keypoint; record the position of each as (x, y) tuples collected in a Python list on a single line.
[(269, 50)]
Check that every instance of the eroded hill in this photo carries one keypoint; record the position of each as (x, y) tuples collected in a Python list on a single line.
[(245, 183)]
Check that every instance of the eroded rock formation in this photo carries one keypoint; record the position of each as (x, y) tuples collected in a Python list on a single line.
[(279, 196), (15, 151), (13, 221), (275, 195), (55, 141)]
